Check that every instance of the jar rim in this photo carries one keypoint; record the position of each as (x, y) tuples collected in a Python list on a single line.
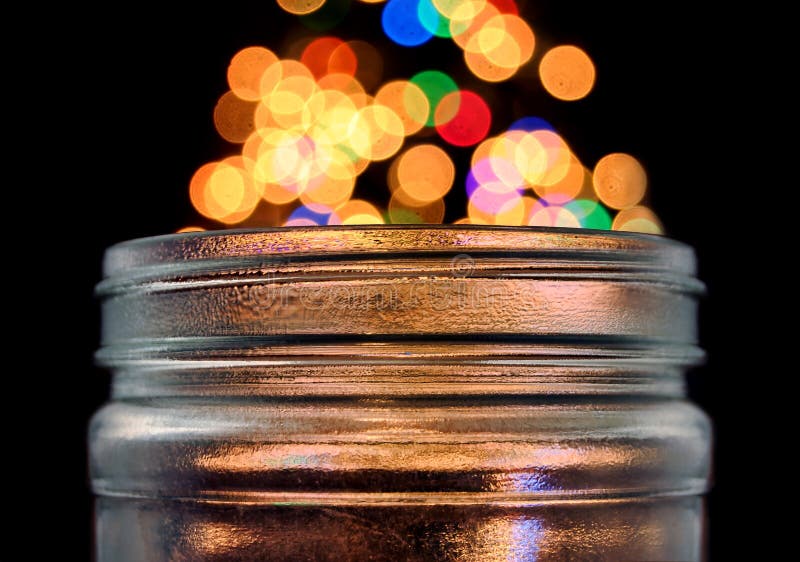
[(132, 258)]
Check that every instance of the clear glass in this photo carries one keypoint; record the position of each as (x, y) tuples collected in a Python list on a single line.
[(399, 393)]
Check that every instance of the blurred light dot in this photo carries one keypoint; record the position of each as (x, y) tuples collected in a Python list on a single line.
[(567, 73), (328, 54), (369, 64), (224, 191), (327, 16), (590, 214), (448, 8), (283, 164), (619, 180), (566, 188), (506, 40), (234, 118), (467, 18), (530, 124), (245, 70), (388, 131), (526, 151), (282, 70), (408, 101), (470, 121), (300, 7), (425, 173), (484, 68), (638, 219), (488, 206), (432, 20), (553, 215), (559, 157), (401, 23), (356, 211), (190, 229), (499, 159), (288, 101), (495, 174), (376, 133), (506, 6), (328, 189), (403, 211), (300, 222), (346, 84), (197, 188), (435, 85), (305, 216)]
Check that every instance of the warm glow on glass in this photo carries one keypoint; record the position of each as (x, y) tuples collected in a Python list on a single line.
[(567, 72), (619, 180)]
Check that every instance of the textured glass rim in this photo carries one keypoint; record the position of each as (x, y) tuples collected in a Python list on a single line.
[(132, 258)]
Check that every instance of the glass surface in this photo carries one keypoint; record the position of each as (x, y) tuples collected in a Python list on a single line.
[(399, 393)]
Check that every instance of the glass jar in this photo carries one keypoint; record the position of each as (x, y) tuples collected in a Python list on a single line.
[(399, 393)]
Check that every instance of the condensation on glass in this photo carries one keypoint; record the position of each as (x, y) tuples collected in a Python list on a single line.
[(399, 393)]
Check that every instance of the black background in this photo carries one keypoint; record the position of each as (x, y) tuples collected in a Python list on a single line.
[(125, 118)]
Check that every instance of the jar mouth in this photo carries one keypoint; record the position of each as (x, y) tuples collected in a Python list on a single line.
[(186, 250), (452, 293)]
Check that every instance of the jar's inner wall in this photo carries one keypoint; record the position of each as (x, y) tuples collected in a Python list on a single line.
[(430, 393)]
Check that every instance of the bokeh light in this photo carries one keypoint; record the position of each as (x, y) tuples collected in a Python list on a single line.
[(245, 70), (300, 7), (462, 118), (425, 173), (319, 120), (435, 85), (553, 215), (409, 103), (356, 211), (619, 180), (567, 72), (638, 219), (590, 214), (327, 55), (234, 117), (401, 23)]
